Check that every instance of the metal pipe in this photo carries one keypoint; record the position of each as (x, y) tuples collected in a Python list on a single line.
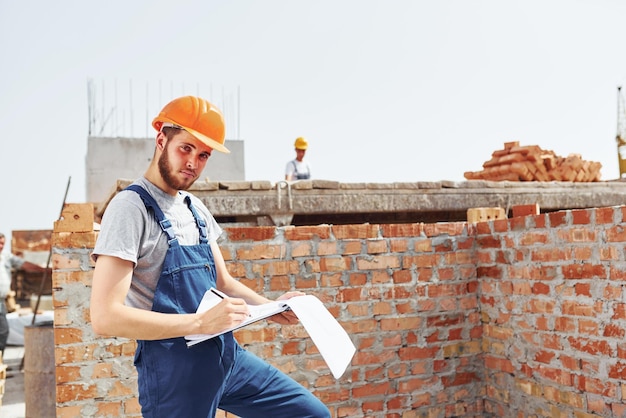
[(280, 185)]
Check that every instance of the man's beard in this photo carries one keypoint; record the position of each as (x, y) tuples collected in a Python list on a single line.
[(165, 169)]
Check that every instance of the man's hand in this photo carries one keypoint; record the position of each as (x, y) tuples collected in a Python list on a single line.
[(229, 313), (286, 317)]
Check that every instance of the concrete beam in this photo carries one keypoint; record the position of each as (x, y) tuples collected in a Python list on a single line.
[(283, 200)]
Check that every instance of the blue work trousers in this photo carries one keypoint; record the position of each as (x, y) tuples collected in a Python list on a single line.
[(177, 381)]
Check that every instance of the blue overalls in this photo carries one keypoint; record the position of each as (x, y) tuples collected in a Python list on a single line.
[(189, 382), (300, 176)]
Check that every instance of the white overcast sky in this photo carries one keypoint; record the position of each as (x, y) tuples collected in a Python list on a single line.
[(385, 91)]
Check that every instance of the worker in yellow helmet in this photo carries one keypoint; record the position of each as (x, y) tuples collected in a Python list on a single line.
[(298, 169), (155, 257)]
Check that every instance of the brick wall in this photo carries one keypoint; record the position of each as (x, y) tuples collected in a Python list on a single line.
[(553, 303), (495, 319)]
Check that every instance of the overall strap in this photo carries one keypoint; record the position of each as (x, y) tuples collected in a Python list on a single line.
[(200, 222), (152, 205)]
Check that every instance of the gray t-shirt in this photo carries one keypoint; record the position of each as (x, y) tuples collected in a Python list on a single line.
[(128, 231)]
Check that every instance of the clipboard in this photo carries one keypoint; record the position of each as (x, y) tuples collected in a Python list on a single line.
[(257, 312)]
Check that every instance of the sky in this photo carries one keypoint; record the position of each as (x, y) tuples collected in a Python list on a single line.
[(384, 91)]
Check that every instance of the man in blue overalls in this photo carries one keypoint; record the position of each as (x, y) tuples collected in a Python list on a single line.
[(156, 255)]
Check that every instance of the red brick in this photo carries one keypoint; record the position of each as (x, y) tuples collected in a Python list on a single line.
[(272, 268), (423, 246), (581, 216), (334, 263), (279, 283), (377, 246), (494, 272), (514, 224), (550, 254), (576, 235), (557, 218), (609, 254), (72, 411), (398, 402), (398, 245), (306, 233), (372, 406), (301, 249), (564, 324), (361, 231), (618, 409), (540, 306), (64, 336), (331, 280), (74, 240), (261, 252), (412, 353), (615, 233), (417, 384), (423, 260), (525, 210), (358, 279), (557, 375), (540, 288), (449, 228), (617, 371), (402, 230), (75, 392), (592, 347), (257, 233), (614, 330), (604, 215), (402, 276), (488, 242), (534, 237), (378, 262), (328, 248)]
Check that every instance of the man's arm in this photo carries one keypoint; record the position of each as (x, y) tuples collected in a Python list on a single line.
[(290, 171), (110, 316)]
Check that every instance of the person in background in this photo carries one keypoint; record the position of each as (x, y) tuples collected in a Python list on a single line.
[(9, 262), (298, 169), (155, 257)]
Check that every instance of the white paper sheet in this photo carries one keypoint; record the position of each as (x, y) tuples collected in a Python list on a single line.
[(329, 337)]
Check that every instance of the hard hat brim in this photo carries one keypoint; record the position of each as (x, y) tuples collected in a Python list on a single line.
[(208, 141), (158, 123)]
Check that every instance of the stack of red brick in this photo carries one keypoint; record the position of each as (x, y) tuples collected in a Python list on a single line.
[(531, 163)]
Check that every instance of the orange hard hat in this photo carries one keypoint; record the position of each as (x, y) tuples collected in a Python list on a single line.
[(198, 117), (301, 143)]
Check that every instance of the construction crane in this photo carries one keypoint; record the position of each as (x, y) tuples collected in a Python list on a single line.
[(620, 136)]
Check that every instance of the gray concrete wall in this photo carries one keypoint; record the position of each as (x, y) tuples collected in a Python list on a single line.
[(110, 159)]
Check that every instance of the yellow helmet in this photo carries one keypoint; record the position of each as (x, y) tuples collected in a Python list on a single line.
[(198, 117), (301, 143)]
